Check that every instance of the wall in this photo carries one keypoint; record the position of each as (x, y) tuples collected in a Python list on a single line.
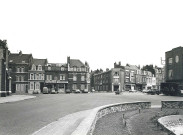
[(172, 104), (87, 126)]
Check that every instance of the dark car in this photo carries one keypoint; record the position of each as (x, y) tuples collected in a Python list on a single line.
[(68, 91), (151, 91)]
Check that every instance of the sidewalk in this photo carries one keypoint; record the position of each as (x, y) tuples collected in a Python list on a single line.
[(15, 98), (65, 125)]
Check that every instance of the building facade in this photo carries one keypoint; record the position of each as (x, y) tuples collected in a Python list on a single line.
[(37, 76), (56, 76), (78, 74), (174, 65), (5, 79), (19, 65), (159, 76), (110, 80)]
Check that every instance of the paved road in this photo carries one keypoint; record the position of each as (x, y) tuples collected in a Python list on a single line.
[(26, 117)]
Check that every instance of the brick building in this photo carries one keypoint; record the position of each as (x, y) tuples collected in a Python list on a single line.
[(79, 74), (19, 65), (37, 76), (174, 65), (110, 80), (5, 79), (56, 76)]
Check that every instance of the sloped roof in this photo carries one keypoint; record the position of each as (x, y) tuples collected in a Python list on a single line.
[(134, 67), (76, 62), (41, 62), (57, 64), (17, 58)]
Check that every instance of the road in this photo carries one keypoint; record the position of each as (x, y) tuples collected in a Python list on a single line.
[(26, 117)]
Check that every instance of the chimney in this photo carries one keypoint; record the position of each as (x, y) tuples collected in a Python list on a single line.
[(119, 63), (68, 59), (20, 53)]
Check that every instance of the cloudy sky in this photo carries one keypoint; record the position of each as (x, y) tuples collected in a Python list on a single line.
[(101, 32)]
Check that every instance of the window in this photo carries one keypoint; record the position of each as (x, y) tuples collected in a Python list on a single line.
[(78, 69), (82, 78), (74, 68), (170, 61), (116, 74), (18, 69), (36, 76), (17, 78), (49, 67), (37, 86), (62, 77), (40, 68), (32, 76), (116, 80), (22, 78), (74, 86), (42, 77), (31, 85), (33, 67), (22, 69), (127, 80), (48, 77), (170, 74), (82, 69), (82, 86), (62, 68), (74, 78)]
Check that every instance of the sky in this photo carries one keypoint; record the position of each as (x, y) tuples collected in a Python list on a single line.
[(101, 32)]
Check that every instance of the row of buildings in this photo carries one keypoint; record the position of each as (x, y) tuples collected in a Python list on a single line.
[(22, 73), (127, 77)]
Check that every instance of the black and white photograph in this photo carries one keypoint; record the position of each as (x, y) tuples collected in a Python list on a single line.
[(91, 67)]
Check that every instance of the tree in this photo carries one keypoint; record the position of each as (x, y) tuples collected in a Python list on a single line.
[(149, 68)]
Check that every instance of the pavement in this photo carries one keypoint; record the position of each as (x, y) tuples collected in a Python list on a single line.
[(15, 98), (64, 126)]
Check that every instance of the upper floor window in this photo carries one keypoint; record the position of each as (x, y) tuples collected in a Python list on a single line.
[(22, 69), (62, 77), (33, 67), (116, 74), (82, 69), (74, 78), (82, 78), (170, 61), (40, 68), (170, 74), (74, 68), (116, 80), (32, 76), (49, 67), (18, 69), (48, 77), (78, 69), (62, 68), (18, 78)]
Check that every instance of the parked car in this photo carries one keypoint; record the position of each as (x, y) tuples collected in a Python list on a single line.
[(85, 91), (35, 91), (53, 91), (151, 91), (132, 90), (77, 91), (145, 90), (68, 91), (45, 90), (117, 92)]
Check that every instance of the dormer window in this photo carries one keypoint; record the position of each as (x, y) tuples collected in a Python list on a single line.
[(49, 67), (33, 67), (74, 68), (40, 68), (62, 68)]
